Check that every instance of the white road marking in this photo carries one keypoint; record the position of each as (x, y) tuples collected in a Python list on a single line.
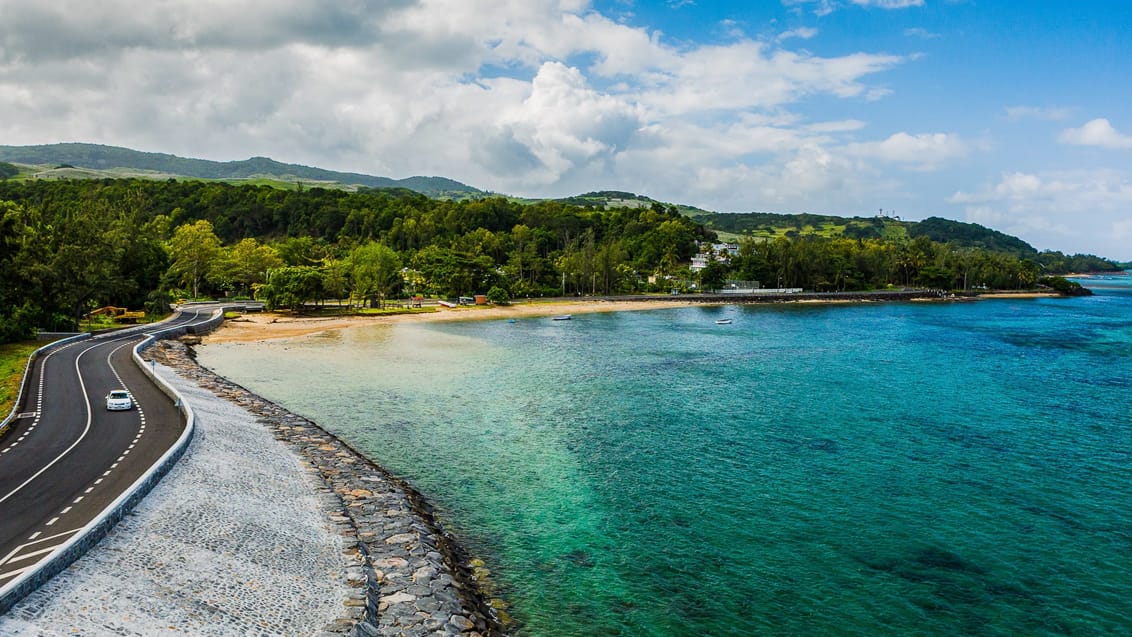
[(11, 574), (28, 556), (51, 522), (86, 429), (17, 555)]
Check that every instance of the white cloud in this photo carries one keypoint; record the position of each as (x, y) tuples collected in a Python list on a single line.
[(922, 33), (566, 125), (1097, 132), (751, 75), (1016, 113), (802, 33), (553, 99), (826, 7), (889, 4), (925, 151), (823, 8), (1073, 211)]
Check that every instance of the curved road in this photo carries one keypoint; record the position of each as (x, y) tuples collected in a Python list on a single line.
[(67, 457)]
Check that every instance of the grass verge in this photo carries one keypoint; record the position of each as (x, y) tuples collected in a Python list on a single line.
[(13, 360)]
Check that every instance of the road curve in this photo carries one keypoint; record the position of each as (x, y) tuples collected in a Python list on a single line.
[(67, 458)]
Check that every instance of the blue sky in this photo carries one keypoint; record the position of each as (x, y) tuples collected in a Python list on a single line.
[(1014, 115)]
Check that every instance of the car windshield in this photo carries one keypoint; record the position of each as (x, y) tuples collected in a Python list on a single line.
[(118, 395)]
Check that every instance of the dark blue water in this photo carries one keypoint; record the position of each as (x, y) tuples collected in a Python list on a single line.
[(927, 469)]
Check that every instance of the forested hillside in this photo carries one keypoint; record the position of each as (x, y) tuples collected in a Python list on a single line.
[(69, 246), (99, 157)]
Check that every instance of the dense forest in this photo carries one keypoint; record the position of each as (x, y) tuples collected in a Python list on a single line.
[(70, 246)]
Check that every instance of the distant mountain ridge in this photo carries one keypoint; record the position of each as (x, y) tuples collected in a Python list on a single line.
[(100, 157)]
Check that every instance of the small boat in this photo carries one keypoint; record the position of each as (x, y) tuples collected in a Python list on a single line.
[(723, 321), (562, 317)]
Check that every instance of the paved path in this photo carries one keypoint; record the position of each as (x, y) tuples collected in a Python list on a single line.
[(67, 458), (234, 541)]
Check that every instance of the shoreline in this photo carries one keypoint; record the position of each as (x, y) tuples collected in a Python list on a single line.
[(486, 613), (265, 326), (409, 569)]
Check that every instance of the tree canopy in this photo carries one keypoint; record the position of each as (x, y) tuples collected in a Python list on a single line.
[(69, 246)]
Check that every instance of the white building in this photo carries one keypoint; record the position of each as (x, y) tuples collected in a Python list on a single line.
[(721, 251)]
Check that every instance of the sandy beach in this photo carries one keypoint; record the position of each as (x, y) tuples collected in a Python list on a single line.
[(261, 326)]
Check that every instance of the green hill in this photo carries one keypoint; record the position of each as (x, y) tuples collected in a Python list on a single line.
[(970, 235), (92, 160), (733, 226)]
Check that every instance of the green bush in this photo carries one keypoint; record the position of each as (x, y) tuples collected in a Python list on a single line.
[(1064, 286), (498, 296)]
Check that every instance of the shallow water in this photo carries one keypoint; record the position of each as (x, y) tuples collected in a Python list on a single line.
[(918, 468)]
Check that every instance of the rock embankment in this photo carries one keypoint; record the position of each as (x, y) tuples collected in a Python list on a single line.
[(410, 577)]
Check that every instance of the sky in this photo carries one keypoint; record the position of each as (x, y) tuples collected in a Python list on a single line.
[(1014, 114)]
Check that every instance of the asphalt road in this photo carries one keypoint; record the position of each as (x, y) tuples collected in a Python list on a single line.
[(67, 457)]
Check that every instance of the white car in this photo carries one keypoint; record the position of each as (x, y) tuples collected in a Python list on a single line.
[(119, 400)]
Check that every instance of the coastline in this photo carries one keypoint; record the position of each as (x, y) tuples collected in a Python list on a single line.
[(263, 326), (268, 525), (487, 616), (410, 576)]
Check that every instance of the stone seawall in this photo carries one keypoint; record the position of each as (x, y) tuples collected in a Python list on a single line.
[(411, 578)]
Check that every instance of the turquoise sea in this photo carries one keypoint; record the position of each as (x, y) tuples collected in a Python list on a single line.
[(876, 469)]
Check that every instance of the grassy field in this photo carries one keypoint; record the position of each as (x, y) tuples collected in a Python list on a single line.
[(891, 231), (13, 360)]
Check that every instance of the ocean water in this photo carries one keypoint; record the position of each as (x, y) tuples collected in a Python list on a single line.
[(876, 469)]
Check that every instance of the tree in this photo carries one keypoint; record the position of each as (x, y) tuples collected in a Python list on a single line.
[(16, 309), (713, 276), (8, 170), (194, 249), (336, 279), (291, 286), (244, 265), (85, 246), (376, 270)]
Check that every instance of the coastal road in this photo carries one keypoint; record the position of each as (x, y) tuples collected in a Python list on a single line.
[(67, 457)]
